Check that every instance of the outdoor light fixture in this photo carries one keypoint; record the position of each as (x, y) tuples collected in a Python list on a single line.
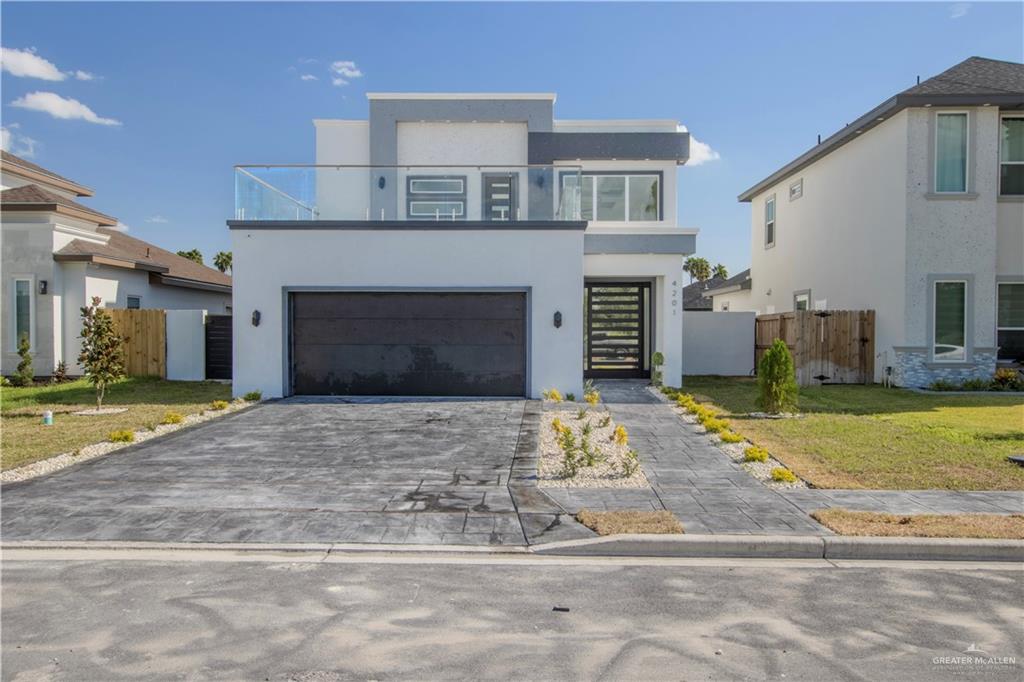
[(381, 182), (42, 286), (558, 319), (255, 318)]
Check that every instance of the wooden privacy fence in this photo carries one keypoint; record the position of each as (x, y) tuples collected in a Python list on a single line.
[(145, 341), (828, 346)]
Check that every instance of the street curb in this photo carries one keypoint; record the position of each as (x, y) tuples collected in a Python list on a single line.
[(324, 548), (789, 547)]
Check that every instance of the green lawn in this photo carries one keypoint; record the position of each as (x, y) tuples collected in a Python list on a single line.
[(874, 437), (25, 440)]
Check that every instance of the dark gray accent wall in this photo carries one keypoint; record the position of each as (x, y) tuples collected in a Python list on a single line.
[(548, 147), (683, 244)]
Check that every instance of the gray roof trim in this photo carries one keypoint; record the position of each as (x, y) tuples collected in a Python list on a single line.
[(407, 225), (737, 282), (683, 244), (547, 147), (887, 109), (189, 283)]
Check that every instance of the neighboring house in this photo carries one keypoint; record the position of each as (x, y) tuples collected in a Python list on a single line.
[(732, 294), (915, 210), (695, 296), (58, 254), (461, 244)]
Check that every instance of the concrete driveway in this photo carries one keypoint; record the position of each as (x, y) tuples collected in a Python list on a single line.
[(301, 470)]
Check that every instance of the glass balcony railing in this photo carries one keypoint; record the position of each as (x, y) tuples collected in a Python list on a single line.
[(399, 193), (487, 194)]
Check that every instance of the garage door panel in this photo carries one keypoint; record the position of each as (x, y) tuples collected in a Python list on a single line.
[(392, 331), (408, 343), (416, 306)]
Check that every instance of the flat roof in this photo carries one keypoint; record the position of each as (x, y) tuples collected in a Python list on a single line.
[(461, 95)]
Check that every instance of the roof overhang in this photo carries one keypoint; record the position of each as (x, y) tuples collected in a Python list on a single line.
[(90, 216), (548, 147), (169, 281), (878, 115), (98, 259), (550, 96), (37, 177)]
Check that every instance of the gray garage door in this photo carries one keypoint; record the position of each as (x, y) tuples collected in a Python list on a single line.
[(471, 344)]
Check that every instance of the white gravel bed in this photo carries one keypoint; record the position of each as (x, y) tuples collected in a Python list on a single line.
[(762, 471), (62, 461), (604, 474)]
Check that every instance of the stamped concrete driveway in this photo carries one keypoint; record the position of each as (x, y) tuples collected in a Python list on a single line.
[(302, 470)]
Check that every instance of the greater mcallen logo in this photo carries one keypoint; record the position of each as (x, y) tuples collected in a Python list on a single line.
[(976, 659)]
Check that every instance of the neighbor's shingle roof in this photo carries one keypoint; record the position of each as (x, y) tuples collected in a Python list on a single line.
[(974, 81), (694, 294), (741, 280), (177, 266), (35, 198), (13, 164)]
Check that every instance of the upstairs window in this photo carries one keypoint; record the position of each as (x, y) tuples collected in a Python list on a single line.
[(769, 221), (1010, 321), (1011, 156), (951, 152), (611, 197), (439, 197)]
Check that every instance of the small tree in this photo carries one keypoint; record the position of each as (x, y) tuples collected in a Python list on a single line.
[(24, 375), (657, 360), (222, 260), (776, 380), (102, 355)]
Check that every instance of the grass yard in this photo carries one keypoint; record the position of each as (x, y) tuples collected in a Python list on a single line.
[(25, 440), (619, 522), (878, 438), (992, 526)]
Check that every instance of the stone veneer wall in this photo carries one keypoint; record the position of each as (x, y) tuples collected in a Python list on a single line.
[(914, 368)]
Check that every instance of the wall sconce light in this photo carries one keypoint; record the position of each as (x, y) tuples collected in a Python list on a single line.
[(255, 318), (381, 182), (558, 319), (42, 286)]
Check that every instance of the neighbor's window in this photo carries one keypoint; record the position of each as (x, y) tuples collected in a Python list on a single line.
[(22, 310), (1010, 321), (802, 301), (435, 197), (951, 152), (133, 303), (618, 198), (950, 321), (769, 221), (1011, 155)]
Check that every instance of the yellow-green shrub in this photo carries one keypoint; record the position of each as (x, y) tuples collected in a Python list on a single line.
[(730, 437), (553, 395), (715, 425), (122, 436), (755, 454), (783, 475), (620, 436), (557, 425), (219, 405), (592, 397), (172, 418)]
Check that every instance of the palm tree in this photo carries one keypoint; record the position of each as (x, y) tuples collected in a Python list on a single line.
[(720, 271), (222, 260), (194, 255), (698, 268)]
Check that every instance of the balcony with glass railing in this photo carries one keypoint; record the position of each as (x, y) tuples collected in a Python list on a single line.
[(497, 194)]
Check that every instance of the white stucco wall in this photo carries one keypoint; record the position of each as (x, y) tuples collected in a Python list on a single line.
[(739, 301), (26, 253), (718, 343), (844, 239), (665, 272), (343, 193), (268, 262), (186, 345)]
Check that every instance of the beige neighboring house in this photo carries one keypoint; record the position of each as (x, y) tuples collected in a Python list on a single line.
[(731, 295), (59, 253), (915, 210)]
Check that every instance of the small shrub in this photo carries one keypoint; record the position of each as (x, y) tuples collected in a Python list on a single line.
[(776, 380), (24, 374), (730, 437), (1007, 378), (944, 385), (605, 421), (620, 436), (553, 395), (253, 396), (715, 425), (975, 385), (4, 381), (755, 454), (60, 374), (122, 436), (703, 413), (570, 456), (590, 456), (102, 355), (172, 418), (669, 391), (570, 397), (657, 360), (630, 463), (783, 475), (219, 405), (557, 425), (592, 398), (566, 440), (581, 413), (587, 429)]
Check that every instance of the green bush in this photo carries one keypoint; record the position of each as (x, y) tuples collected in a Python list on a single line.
[(581, 413), (630, 463), (657, 360), (976, 385), (570, 397), (24, 375), (253, 396), (60, 374), (122, 436), (1007, 379), (219, 405), (172, 418), (783, 475), (776, 380), (944, 385), (755, 454)]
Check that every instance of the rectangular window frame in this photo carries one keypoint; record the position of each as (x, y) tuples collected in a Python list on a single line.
[(626, 174), (1000, 283), (769, 224), (1003, 162), (796, 190), (802, 293), (968, 282), (128, 302), (428, 196), (13, 348), (967, 152)]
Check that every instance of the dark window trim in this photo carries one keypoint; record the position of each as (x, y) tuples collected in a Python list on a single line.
[(513, 204), (411, 196)]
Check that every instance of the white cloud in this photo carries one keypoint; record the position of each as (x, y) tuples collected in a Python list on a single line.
[(959, 9), (343, 72), (120, 227), (157, 219), (60, 107), (27, 64), (308, 77), (85, 76), (701, 152), (16, 143)]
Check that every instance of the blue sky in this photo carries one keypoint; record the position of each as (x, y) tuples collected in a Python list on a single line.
[(175, 94)]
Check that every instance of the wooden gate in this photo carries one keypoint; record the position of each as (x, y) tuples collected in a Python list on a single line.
[(145, 341), (218, 347), (828, 346)]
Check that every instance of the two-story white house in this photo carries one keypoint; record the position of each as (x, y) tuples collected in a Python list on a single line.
[(915, 210), (460, 244)]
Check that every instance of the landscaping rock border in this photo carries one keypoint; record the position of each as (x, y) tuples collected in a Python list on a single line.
[(64, 460)]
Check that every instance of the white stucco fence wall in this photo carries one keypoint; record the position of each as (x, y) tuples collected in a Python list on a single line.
[(269, 263), (186, 345), (720, 343)]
